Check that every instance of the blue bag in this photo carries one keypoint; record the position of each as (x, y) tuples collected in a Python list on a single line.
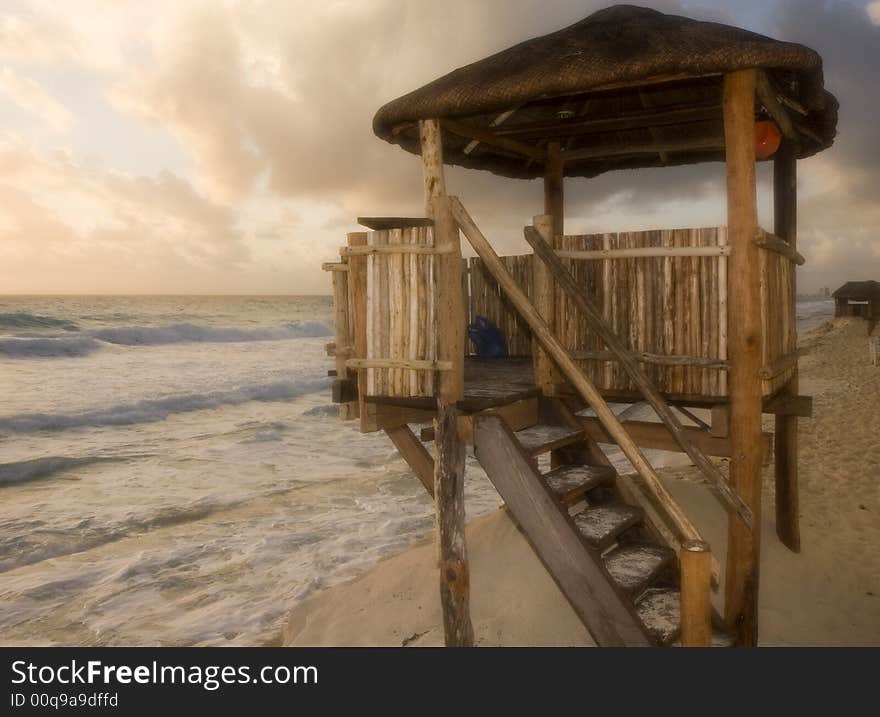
[(488, 339)]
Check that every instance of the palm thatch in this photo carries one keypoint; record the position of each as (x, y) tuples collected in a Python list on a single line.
[(626, 87)]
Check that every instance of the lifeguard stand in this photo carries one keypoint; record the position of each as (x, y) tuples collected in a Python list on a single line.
[(680, 318)]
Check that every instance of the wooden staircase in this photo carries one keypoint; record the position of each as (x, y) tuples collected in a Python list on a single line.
[(622, 583)]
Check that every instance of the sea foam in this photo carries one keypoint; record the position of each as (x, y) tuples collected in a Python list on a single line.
[(40, 468), (87, 342), (151, 410), (189, 333), (23, 320), (20, 347)]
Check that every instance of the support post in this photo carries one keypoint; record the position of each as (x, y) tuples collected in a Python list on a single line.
[(551, 225), (696, 607), (342, 335), (744, 348), (357, 288), (786, 453), (544, 293), (449, 467)]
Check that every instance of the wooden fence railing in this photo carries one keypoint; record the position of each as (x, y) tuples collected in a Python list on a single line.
[(663, 292)]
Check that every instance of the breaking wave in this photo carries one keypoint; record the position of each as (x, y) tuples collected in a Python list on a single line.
[(87, 342), (188, 333), (22, 320), (47, 347), (40, 468), (152, 410)]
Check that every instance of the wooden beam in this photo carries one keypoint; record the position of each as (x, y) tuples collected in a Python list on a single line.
[(386, 416), (500, 119), (699, 422), (787, 403), (707, 144), (380, 223), (645, 101), (720, 422), (449, 465), (344, 390), (517, 415), (334, 266), (544, 296), (397, 249), (653, 396), (646, 119), (773, 243), (696, 608), (486, 137), (649, 434), (415, 454), (357, 289), (654, 80), (550, 224), (449, 497), (656, 359), (770, 99), (409, 364), (744, 347), (778, 366), (786, 453), (341, 329), (643, 252), (569, 368)]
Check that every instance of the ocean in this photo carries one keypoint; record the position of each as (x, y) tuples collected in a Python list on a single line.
[(172, 471)]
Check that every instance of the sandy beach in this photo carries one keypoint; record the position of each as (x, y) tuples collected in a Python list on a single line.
[(829, 594)]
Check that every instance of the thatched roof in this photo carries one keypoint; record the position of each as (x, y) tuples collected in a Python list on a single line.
[(595, 86), (858, 291)]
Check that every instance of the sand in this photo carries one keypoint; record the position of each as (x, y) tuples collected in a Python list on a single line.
[(829, 594)]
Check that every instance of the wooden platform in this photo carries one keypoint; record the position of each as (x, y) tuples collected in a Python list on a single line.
[(497, 382), (487, 383)]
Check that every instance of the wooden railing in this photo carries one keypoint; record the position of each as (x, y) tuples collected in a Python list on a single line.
[(663, 292)]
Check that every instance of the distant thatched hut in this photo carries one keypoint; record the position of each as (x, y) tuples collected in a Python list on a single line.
[(858, 298)]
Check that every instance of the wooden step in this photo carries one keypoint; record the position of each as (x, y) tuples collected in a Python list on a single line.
[(660, 611), (570, 483), (542, 438), (634, 567), (601, 524)]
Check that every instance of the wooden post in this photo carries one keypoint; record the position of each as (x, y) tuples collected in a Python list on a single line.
[(554, 193), (744, 349), (786, 453), (357, 288), (449, 328), (342, 334), (696, 607), (544, 297), (551, 225), (414, 453)]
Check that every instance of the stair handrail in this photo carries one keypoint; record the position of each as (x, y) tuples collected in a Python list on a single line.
[(545, 252), (545, 336)]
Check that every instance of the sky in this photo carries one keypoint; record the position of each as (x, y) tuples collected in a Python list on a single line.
[(183, 146)]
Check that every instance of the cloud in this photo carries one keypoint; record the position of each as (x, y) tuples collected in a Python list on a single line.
[(272, 102), (32, 98), (77, 227), (838, 208), (873, 10)]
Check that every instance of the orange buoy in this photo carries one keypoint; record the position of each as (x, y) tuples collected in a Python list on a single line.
[(767, 138)]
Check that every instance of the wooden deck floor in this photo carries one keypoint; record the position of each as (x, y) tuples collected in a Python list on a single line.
[(495, 382)]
